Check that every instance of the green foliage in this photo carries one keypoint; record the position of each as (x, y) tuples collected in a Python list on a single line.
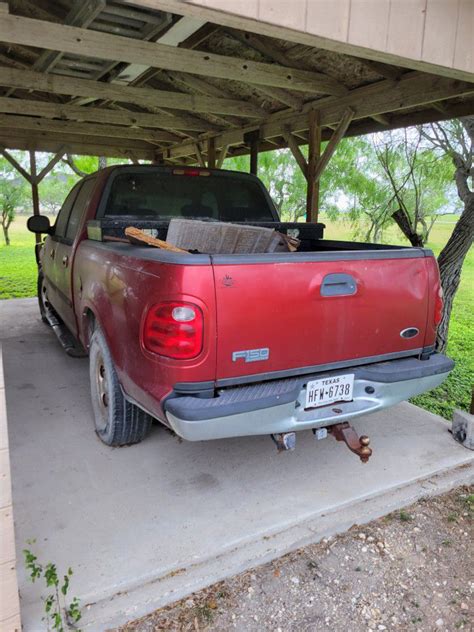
[(282, 177), (59, 615), (405, 517), (54, 189), (12, 196)]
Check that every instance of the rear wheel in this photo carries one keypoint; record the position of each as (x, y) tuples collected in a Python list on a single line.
[(42, 297), (117, 421)]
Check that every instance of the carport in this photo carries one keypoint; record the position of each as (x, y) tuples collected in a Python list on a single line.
[(192, 82)]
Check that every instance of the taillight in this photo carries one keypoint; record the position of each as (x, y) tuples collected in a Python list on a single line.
[(190, 172), (174, 329), (438, 305)]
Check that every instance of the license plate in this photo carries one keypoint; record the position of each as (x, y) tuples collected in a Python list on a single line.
[(329, 390)]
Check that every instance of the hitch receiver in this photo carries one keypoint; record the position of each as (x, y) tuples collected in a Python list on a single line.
[(359, 445), (284, 441)]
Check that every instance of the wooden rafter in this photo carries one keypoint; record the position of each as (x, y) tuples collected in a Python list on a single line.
[(89, 145), (88, 43), (147, 97), (200, 157), (222, 157), (16, 165), (413, 90), (12, 121), (285, 59), (101, 115), (81, 14)]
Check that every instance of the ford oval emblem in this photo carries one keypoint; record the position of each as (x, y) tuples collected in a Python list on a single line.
[(410, 332)]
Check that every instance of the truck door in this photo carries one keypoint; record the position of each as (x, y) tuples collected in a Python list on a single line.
[(64, 253), (49, 260)]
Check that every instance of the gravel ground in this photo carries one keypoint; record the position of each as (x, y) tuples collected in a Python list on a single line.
[(411, 570)]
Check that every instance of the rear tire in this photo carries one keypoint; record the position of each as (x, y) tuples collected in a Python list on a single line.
[(42, 297), (118, 422)]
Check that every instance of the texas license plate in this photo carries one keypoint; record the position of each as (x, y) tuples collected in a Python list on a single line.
[(329, 390)]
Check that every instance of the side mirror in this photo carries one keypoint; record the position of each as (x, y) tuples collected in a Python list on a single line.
[(39, 224)]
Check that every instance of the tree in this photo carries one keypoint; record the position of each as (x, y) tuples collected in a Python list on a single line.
[(455, 139), (418, 180), (12, 196)]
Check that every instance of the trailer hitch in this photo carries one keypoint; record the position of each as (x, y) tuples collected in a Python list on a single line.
[(359, 445), (284, 441)]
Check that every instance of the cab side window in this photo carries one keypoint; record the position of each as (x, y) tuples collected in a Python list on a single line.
[(79, 206), (63, 215)]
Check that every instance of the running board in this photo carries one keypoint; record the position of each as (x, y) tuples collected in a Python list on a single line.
[(67, 341)]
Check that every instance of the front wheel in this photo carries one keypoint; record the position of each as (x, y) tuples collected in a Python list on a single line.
[(117, 421)]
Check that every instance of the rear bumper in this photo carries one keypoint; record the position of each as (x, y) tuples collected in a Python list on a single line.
[(278, 406)]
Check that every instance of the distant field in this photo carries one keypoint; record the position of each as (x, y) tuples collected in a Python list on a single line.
[(18, 279)]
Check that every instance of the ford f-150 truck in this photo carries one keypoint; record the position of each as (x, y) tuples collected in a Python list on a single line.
[(228, 345)]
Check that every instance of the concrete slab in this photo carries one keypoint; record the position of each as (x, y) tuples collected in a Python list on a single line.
[(144, 525)]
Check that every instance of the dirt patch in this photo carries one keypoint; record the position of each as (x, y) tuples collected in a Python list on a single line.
[(411, 570)]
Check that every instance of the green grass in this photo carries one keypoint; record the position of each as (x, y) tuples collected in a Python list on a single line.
[(18, 279), (17, 262)]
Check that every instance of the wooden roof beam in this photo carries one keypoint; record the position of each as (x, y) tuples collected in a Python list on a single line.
[(101, 115), (146, 97), (11, 121), (369, 126), (81, 14), (77, 41), (413, 90), (285, 59), (74, 143)]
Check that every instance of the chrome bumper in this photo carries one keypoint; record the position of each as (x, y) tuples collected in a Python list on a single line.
[(277, 407)]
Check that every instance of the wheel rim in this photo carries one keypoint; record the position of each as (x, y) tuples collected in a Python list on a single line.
[(44, 295), (102, 386)]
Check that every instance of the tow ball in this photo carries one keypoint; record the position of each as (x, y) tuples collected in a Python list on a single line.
[(359, 445)]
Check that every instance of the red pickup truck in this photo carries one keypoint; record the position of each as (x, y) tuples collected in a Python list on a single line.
[(227, 345)]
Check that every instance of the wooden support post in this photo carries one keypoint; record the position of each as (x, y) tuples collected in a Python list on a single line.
[(334, 141), (252, 139), (314, 153), (254, 157), (34, 189), (211, 153), (34, 178)]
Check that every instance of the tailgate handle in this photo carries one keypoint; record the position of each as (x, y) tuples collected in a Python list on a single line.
[(338, 285)]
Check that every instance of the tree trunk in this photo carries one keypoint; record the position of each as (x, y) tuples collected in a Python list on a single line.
[(450, 263), (6, 235), (403, 222)]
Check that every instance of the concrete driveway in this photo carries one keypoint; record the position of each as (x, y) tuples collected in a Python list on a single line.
[(147, 524)]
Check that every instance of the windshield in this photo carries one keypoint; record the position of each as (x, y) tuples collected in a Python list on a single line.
[(164, 196)]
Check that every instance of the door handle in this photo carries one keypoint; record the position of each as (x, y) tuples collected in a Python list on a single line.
[(51, 254), (65, 261), (338, 285)]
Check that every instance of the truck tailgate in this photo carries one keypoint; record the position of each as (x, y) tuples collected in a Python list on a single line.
[(304, 310)]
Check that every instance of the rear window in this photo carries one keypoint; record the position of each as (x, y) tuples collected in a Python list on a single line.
[(164, 196)]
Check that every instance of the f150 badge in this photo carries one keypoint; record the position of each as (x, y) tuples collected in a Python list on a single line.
[(251, 355)]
